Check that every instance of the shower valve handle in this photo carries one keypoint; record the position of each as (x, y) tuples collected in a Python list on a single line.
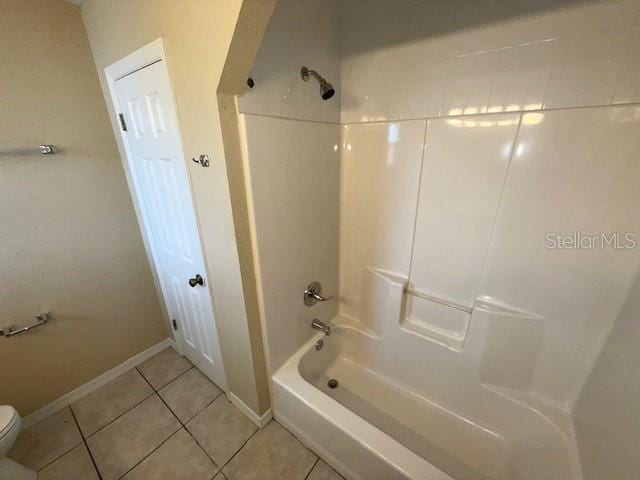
[(313, 294)]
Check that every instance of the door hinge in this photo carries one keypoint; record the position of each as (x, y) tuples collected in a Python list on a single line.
[(174, 322), (123, 124)]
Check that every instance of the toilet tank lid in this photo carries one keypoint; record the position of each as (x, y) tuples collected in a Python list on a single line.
[(7, 414)]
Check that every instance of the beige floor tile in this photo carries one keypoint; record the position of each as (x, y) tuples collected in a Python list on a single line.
[(220, 476), (271, 454), (188, 394), (164, 367), (42, 443), (221, 429), (322, 471), (179, 458), (76, 465), (110, 401), (127, 440)]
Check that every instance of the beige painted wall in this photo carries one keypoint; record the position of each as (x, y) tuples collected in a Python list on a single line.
[(197, 36), (69, 239)]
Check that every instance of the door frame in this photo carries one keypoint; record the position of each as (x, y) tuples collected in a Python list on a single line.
[(143, 57)]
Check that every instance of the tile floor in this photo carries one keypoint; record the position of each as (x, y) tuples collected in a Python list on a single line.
[(163, 420)]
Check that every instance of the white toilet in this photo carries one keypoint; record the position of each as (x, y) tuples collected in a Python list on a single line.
[(9, 428)]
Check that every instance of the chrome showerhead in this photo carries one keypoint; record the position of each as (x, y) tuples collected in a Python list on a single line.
[(326, 89)]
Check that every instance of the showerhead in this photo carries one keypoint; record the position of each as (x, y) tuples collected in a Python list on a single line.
[(326, 89)]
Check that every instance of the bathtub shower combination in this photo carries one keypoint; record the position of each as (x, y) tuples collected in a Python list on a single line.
[(466, 187)]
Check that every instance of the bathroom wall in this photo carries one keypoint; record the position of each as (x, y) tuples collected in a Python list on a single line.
[(301, 33), (69, 239), (466, 223), (470, 134), (428, 58), (197, 35), (607, 416), (291, 149), (294, 192), (459, 200)]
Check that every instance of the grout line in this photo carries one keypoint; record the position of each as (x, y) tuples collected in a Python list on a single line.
[(496, 215), (82, 435), (444, 117), (298, 439), (244, 443), (86, 445), (201, 410), (59, 456), (202, 448), (310, 450), (174, 380), (116, 418), (150, 453), (184, 425), (66, 451), (312, 467), (155, 392), (241, 446), (280, 117), (420, 194), (169, 382)]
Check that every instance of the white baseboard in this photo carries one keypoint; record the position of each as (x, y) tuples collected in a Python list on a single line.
[(94, 384), (253, 416)]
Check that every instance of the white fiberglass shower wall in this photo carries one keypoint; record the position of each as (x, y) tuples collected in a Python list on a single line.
[(472, 197)]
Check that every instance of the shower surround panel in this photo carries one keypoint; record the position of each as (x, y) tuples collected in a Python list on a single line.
[(471, 131)]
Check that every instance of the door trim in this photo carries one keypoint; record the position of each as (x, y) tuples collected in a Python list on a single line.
[(143, 57)]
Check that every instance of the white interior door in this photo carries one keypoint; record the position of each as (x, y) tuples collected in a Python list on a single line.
[(162, 186)]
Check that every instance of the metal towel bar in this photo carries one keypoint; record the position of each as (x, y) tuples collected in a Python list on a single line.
[(44, 149), (11, 330)]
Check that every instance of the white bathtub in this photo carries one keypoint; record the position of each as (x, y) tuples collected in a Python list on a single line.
[(372, 427)]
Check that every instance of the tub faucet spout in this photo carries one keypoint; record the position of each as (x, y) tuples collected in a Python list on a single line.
[(323, 327)]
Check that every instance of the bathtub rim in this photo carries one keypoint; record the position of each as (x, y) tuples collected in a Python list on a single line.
[(374, 440)]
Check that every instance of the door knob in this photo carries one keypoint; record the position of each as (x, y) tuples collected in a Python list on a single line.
[(197, 280)]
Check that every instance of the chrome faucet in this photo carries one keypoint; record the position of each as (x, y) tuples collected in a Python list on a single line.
[(323, 327)]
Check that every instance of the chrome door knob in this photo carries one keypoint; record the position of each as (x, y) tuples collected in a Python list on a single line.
[(197, 280)]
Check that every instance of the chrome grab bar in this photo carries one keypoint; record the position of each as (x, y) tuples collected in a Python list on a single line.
[(11, 330), (313, 294)]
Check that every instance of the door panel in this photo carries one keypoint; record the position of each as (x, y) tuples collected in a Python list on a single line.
[(162, 186)]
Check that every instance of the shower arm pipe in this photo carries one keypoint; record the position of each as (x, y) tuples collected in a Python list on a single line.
[(308, 71)]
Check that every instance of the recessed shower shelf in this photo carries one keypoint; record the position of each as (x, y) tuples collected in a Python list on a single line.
[(441, 301), (435, 318)]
